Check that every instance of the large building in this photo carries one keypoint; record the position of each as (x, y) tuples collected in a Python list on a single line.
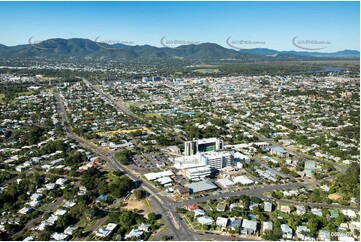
[(201, 186), (197, 173), (202, 145), (214, 159), (217, 160)]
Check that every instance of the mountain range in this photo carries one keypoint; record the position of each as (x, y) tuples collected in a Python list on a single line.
[(265, 52), (85, 48)]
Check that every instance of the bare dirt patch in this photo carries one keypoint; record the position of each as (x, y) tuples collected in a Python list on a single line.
[(142, 205)]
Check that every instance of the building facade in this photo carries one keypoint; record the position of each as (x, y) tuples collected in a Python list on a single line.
[(202, 145)]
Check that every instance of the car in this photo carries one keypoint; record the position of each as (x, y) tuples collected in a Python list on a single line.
[(233, 236)]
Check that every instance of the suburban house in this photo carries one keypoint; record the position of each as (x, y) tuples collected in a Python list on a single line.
[(234, 223), (104, 232), (248, 227), (267, 207), (285, 209), (304, 233), (267, 226), (134, 233), (205, 220), (324, 235), (222, 223), (286, 231)]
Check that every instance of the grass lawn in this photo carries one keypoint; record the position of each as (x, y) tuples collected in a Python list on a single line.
[(206, 71), (137, 104), (335, 196), (150, 115), (206, 66), (25, 93)]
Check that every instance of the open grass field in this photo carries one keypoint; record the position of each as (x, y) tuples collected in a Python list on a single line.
[(335, 196), (206, 71), (124, 131), (150, 115), (135, 104)]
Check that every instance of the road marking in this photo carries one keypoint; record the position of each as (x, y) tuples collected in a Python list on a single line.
[(176, 225)]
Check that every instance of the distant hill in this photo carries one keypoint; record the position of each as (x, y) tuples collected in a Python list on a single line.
[(81, 48), (267, 52)]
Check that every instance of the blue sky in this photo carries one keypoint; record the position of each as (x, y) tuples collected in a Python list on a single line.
[(273, 23)]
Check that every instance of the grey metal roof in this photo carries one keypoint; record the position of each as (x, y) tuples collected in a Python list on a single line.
[(201, 186)]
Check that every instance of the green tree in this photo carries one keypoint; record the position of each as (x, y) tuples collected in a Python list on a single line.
[(139, 194)]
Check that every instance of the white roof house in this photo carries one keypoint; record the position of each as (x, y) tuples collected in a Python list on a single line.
[(25, 210), (267, 207), (316, 211), (198, 212), (134, 233), (52, 219), (61, 181), (36, 196), (50, 186), (205, 220), (42, 225), (324, 235), (104, 232), (70, 230), (267, 226), (59, 236), (69, 204), (300, 209), (144, 227), (34, 203), (303, 233), (60, 212), (222, 221), (287, 231), (249, 226), (350, 213)]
